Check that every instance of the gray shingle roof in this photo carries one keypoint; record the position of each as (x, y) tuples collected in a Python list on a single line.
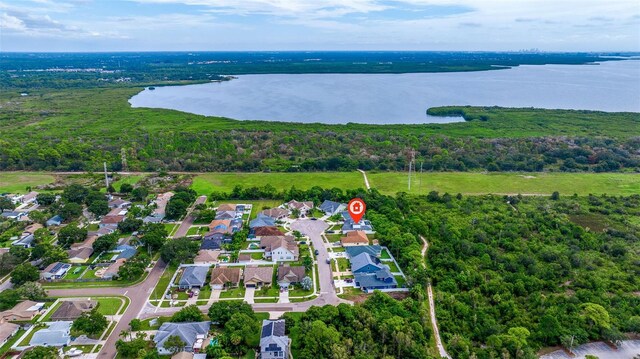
[(56, 335), (382, 278), (194, 276), (362, 260), (373, 250), (186, 331), (262, 221), (330, 207)]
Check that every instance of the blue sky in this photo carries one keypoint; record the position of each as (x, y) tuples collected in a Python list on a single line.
[(191, 25)]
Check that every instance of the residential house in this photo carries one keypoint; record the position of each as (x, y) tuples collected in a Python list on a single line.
[(193, 334), (207, 256), (355, 238), (302, 207), (111, 221), (13, 215), (275, 213), (260, 232), (54, 221), (124, 251), (365, 263), (211, 241), (73, 309), (56, 335), (255, 277), (80, 252), (225, 227), (118, 202), (331, 208), (22, 312), (187, 355), (227, 215), (113, 268), (288, 275), (102, 232), (7, 330), (280, 248), (244, 258), (273, 343), (31, 229), (374, 250), (117, 211), (379, 280), (29, 197), (225, 277), (55, 270), (193, 277), (226, 207), (24, 241), (262, 220)]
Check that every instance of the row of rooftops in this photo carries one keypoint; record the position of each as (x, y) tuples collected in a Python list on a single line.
[(195, 276)]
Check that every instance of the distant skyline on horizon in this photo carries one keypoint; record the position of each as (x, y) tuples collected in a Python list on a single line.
[(319, 25)]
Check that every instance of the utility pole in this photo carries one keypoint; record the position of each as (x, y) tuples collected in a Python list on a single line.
[(106, 178), (411, 161), (420, 186), (409, 179)]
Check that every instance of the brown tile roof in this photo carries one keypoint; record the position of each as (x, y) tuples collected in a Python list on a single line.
[(299, 205), (270, 243), (7, 330), (355, 237), (291, 274), (207, 255), (275, 212), (226, 207), (32, 228), (224, 226), (267, 231), (115, 266), (73, 309), (87, 243), (244, 257), (112, 219), (82, 252), (258, 274), (19, 311), (224, 275)]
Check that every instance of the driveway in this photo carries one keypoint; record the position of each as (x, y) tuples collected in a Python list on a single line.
[(138, 295), (284, 296), (248, 295)]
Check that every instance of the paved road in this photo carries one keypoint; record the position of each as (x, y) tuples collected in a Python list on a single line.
[(138, 295), (188, 219), (327, 296)]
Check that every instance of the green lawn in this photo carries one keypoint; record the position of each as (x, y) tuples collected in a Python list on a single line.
[(75, 272), (170, 227), (257, 206), (385, 254), (17, 182), (27, 339), (163, 282), (508, 183), (233, 293), (401, 281), (51, 311), (193, 230), (205, 292), (209, 182), (392, 266), (333, 237), (343, 264), (131, 179), (257, 255), (109, 306)]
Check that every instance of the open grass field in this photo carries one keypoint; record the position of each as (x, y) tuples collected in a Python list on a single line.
[(17, 182), (209, 182), (508, 183)]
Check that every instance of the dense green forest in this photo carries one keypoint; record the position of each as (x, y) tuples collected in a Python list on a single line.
[(27, 71), (74, 130), (512, 274)]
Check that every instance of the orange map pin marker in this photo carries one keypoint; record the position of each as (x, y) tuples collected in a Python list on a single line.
[(356, 208)]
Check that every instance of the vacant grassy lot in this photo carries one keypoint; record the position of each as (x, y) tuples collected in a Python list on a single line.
[(209, 182), (109, 306), (508, 183), (17, 182)]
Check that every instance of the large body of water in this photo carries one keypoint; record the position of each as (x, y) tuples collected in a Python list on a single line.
[(404, 98)]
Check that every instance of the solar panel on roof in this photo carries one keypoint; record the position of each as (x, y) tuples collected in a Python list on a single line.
[(266, 330)]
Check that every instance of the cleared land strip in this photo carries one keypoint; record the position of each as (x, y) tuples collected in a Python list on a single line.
[(432, 306)]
